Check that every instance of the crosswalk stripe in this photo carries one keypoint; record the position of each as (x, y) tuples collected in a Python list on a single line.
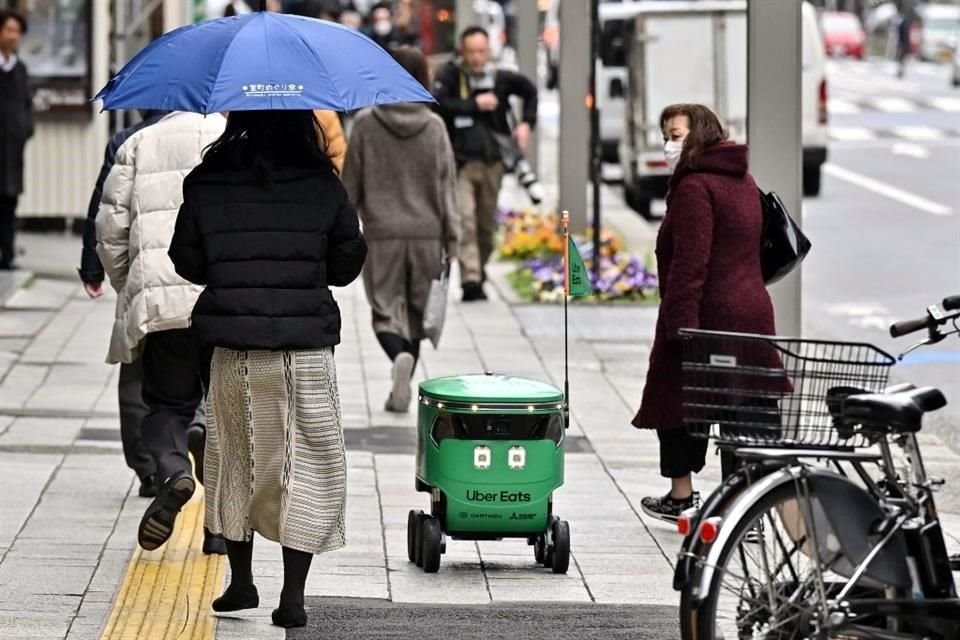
[(842, 107), (852, 134), (894, 105), (918, 132), (945, 103)]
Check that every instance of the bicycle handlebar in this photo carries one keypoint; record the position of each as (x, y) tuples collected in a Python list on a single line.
[(936, 316), (904, 327)]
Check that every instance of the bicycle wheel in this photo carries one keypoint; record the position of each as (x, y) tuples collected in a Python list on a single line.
[(766, 584)]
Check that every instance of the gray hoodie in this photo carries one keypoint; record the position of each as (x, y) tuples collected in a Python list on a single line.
[(401, 176)]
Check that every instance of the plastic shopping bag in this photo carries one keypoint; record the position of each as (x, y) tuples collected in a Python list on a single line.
[(436, 310)]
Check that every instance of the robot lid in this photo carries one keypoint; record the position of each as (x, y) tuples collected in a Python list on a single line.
[(490, 389)]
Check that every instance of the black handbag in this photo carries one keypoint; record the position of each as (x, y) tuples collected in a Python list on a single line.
[(783, 245)]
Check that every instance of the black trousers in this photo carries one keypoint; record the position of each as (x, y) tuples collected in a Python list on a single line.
[(682, 454), (172, 391), (132, 412), (8, 229), (393, 345)]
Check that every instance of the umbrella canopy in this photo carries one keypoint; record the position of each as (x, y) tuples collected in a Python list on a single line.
[(261, 61)]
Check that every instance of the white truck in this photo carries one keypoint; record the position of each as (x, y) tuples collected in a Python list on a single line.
[(696, 51)]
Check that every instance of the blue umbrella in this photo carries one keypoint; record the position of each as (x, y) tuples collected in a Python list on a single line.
[(261, 61)]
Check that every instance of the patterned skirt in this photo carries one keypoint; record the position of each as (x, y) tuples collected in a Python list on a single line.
[(275, 460)]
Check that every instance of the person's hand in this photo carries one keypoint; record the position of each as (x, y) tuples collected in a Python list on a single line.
[(522, 135), (487, 101), (93, 289)]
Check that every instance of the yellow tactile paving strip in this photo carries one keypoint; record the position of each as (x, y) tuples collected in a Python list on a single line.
[(166, 594)]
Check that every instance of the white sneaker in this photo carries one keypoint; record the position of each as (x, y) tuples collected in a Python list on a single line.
[(400, 394)]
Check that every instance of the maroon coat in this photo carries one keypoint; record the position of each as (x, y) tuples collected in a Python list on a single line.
[(708, 257)]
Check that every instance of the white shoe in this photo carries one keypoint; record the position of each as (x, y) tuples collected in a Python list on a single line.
[(399, 400)]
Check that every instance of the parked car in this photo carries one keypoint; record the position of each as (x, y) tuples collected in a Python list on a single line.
[(939, 30), (843, 34)]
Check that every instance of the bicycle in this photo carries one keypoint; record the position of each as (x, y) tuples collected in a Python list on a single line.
[(785, 548)]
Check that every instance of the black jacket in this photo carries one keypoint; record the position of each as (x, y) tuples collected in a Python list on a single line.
[(16, 127), (470, 129), (91, 271), (267, 255)]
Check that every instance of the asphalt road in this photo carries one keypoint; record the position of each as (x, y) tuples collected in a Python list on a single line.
[(886, 227)]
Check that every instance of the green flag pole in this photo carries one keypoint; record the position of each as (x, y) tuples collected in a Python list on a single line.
[(565, 221)]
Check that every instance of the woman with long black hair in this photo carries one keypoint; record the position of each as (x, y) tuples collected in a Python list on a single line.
[(267, 227)]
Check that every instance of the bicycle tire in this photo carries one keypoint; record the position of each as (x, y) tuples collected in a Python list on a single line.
[(703, 618), (701, 621)]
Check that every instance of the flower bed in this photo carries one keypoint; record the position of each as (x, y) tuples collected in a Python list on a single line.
[(536, 241)]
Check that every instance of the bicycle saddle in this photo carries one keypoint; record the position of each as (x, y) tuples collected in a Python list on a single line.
[(893, 412)]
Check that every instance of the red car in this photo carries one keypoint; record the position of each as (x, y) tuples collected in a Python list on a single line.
[(843, 35)]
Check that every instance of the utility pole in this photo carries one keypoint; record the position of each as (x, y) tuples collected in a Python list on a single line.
[(773, 126), (574, 117), (596, 169)]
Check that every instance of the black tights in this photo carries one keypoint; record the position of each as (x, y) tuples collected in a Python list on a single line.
[(394, 345), (296, 566)]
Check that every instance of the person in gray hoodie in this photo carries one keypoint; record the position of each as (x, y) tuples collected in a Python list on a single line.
[(401, 176)]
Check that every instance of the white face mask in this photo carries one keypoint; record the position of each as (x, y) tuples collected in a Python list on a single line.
[(672, 150), (382, 27)]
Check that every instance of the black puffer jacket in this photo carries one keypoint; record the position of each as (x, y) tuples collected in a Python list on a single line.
[(268, 255)]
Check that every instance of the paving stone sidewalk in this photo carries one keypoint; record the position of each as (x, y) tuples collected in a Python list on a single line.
[(69, 511)]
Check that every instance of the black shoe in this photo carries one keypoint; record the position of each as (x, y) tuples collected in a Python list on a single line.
[(148, 486), (196, 443), (289, 616), (237, 598), (213, 543), (473, 291), (668, 509), (160, 517)]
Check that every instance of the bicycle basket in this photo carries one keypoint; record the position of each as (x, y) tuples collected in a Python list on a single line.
[(753, 390)]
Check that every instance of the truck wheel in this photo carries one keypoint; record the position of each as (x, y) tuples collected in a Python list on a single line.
[(431, 542), (811, 181), (561, 547), (418, 538), (412, 534), (637, 201)]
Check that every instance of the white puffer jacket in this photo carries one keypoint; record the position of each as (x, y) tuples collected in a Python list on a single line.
[(138, 211)]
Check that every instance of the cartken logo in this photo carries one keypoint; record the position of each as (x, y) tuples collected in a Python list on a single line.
[(272, 89)]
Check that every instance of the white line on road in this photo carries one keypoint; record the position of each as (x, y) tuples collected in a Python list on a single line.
[(852, 134), (880, 188), (836, 106), (918, 132), (911, 150), (946, 103), (894, 105)]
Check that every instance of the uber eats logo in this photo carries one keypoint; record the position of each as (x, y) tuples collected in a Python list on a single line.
[(509, 497)]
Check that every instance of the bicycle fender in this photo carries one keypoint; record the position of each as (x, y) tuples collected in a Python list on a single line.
[(838, 500), (715, 505)]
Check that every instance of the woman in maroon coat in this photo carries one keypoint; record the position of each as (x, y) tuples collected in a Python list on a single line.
[(708, 257)]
